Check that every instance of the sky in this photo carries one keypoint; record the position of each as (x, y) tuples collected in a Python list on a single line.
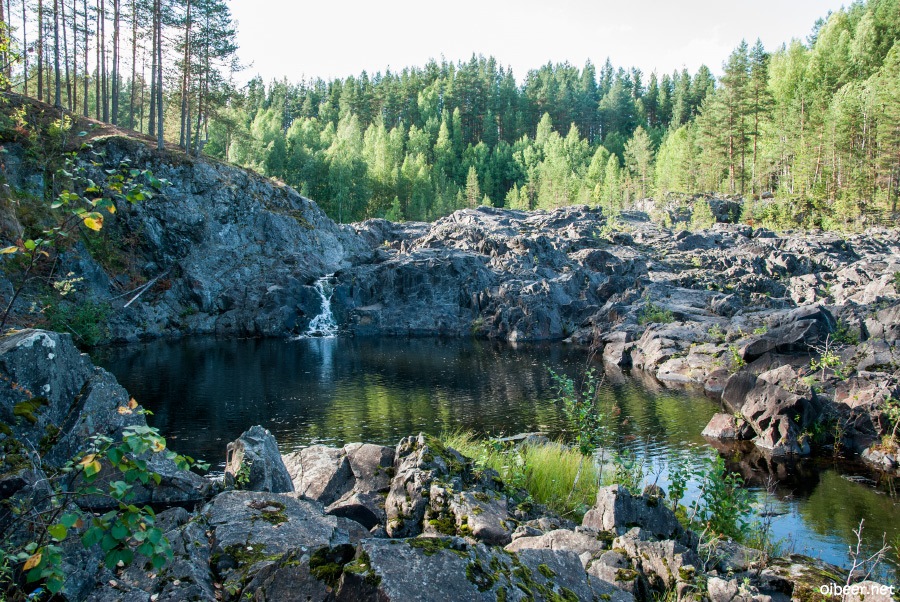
[(335, 38)]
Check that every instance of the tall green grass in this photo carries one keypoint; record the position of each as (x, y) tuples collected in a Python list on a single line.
[(552, 474)]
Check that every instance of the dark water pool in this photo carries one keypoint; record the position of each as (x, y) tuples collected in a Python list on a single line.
[(206, 392)]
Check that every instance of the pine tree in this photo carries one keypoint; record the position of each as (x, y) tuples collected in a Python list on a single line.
[(639, 161), (473, 190)]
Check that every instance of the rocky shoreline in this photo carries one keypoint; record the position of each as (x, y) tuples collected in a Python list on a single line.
[(417, 521)]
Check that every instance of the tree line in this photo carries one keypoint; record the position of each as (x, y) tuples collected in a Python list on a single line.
[(816, 122), (155, 66)]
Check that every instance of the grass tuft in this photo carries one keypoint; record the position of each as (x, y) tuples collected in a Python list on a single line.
[(547, 472)]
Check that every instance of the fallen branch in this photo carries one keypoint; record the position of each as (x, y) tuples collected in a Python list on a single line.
[(143, 288)]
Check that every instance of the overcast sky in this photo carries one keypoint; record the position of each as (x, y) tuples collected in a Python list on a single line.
[(334, 38)]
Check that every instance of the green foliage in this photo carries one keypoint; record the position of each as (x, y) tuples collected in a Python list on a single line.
[(891, 410), (724, 505), (651, 313), (702, 216), (85, 320), (844, 334), (107, 470), (829, 360), (551, 474), (735, 358), (679, 474), (242, 478), (79, 205), (580, 407), (629, 471)]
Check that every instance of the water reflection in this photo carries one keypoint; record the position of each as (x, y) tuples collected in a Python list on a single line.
[(206, 392)]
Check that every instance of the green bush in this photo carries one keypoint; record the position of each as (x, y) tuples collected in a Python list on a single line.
[(724, 505), (580, 406), (122, 533), (652, 313), (85, 320)]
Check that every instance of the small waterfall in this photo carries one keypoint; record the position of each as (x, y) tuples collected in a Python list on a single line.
[(323, 325)]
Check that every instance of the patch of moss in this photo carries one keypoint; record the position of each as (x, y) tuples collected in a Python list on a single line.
[(29, 408), (444, 525), (546, 571), (327, 564), (501, 594), (270, 511), (685, 574), (49, 439), (625, 575), (248, 555), (363, 566), (432, 545), (477, 575)]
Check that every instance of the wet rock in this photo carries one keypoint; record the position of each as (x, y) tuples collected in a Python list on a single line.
[(727, 427), (254, 463)]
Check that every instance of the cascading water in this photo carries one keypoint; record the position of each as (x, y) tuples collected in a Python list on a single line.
[(323, 325)]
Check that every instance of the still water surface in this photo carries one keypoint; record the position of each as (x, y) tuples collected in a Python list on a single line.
[(205, 392)]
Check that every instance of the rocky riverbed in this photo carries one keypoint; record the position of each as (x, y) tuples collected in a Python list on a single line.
[(796, 332), (418, 521)]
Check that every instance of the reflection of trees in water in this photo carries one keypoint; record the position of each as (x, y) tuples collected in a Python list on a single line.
[(837, 505)]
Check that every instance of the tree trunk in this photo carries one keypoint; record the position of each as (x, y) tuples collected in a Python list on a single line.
[(24, 45), (57, 96), (151, 120), (185, 84), (97, 79), (160, 143), (74, 106), (104, 81), (40, 50), (62, 5), (115, 64), (87, 79), (134, 43)]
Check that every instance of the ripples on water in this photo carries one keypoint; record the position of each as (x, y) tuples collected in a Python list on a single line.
[(206, 392)]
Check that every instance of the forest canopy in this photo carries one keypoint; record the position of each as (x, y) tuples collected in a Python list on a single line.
[(814, 123)]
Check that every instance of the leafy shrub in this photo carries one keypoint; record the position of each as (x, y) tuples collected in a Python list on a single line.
[(702, 216), (85, 320), (122, 533), (723, 506), (652, 313), (580, 406)]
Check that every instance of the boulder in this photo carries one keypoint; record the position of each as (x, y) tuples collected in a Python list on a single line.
[(450, 569), (254, 463), (618, 511), (417, 462), (320, 473), (727, 427), (579, 542), (250, 530), (54, 400)]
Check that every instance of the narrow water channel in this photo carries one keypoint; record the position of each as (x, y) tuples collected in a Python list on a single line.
[(205, 392)]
